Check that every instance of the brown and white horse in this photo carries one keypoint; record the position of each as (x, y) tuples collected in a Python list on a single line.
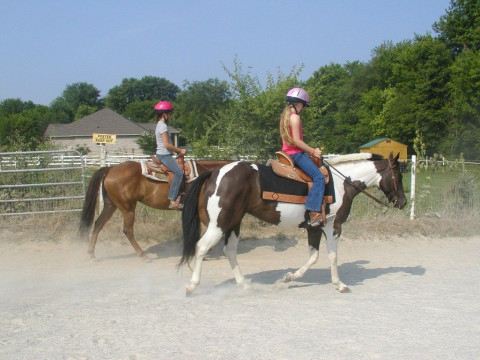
[(122, 186), (221, 198)]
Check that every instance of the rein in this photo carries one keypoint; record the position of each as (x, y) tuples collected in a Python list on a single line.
[(363, 190)]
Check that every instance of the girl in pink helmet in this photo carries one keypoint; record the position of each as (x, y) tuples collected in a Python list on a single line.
[(165, 149), (292, 143)]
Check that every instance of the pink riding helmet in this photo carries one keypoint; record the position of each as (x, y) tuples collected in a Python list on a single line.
[(298, 95), (163, 106)]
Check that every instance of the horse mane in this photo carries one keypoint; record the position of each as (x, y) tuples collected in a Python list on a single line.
[(353, 157)]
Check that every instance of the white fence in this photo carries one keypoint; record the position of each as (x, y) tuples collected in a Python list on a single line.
[(428, 190), (41, 182)]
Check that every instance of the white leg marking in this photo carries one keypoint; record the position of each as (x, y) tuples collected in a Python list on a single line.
[(230, 251), (300, 272), (211, 237), (332, 247)]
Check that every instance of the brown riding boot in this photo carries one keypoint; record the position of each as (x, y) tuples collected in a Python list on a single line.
[(175, 205), (324, 214), (316, 219)]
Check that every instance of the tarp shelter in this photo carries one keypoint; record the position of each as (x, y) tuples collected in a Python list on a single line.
[(384, 147)]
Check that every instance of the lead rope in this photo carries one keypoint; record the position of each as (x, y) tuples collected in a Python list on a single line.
[(357, 187)]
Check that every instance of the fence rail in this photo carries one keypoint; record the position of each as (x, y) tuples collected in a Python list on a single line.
[(37, 183), (433, 186)]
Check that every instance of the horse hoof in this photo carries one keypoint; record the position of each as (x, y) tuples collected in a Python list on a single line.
[(288, 277), (189, 291), (146, 259), (344, 289)]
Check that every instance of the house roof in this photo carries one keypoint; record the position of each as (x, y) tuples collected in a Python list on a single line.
[(104, 121), (373, 142)]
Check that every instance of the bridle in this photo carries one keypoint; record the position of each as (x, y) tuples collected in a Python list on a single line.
[(395, 182), (394, 197)]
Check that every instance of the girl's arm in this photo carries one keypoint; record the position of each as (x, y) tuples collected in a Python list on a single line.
[(171, 147)]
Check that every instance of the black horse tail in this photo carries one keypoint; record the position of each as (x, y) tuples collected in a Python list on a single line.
[(190, 218), (88, 210)]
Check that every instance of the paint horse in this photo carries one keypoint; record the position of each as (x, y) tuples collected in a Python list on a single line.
[(122, 186), (220, 199)]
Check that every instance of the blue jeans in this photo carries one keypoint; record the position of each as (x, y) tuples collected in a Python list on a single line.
[(172, 164), (315, 196)]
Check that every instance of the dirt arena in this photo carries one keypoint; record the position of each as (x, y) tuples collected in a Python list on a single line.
[(413, 297)]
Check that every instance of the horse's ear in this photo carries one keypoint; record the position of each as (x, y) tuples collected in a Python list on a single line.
[(396, 157)]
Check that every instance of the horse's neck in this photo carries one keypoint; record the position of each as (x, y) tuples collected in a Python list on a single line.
[(363, 171)]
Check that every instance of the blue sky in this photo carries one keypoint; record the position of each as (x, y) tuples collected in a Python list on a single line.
[(47, 45)]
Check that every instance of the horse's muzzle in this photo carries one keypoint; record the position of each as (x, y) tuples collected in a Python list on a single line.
[(399, 202)]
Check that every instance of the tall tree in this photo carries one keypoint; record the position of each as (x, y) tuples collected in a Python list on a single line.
[(249, 124), (62, 111), (29, 126), (147, 88), (14, 106), (140, 111), (82, 93), (196, 103), (463, 136), (459, 28)]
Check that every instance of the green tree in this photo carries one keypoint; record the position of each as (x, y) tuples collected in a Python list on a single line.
[(148, 143), (147, 88), (459, 28), (62, 111), (82, 93), (335, 94), (196, 104), (140, 111), (14, 106), (85, 110), (27, 127), (463, 136), (249, 124), (421, 73)]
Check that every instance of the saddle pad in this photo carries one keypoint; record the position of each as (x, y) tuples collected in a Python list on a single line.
[(158, 176), (151, 174), (274, 187), (272, 183), (193, 170)]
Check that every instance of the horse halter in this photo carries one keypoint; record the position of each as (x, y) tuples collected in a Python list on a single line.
[(395, 196)]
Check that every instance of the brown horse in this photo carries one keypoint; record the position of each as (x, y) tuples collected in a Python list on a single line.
[(122, 186), (221, 198)]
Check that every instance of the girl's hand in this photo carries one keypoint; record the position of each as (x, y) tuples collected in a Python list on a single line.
[(317, 152)]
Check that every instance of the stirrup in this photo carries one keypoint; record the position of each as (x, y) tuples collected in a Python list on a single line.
[(175, 206), (316, 219)]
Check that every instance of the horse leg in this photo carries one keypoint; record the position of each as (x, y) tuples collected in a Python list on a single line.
[(128, 221), (332, 247), (107, 212), (314, 236), (230, 250), (211, 237)]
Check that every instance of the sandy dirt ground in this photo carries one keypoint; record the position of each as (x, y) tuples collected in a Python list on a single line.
[(412, 297)]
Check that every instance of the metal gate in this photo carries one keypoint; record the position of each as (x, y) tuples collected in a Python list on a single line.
[(41, 182)]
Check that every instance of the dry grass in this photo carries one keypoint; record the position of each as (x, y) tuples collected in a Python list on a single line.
[(154, 226)]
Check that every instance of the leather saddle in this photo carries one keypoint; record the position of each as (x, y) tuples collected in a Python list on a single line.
[(156, 166), (285, 167)]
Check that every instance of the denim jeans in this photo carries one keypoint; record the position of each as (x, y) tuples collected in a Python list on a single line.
[(315, 197), (172, 164)]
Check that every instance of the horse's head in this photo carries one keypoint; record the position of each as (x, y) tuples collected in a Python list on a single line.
[(391, 183)]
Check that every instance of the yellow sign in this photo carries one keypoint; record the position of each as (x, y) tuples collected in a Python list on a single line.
[(104, 138)]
